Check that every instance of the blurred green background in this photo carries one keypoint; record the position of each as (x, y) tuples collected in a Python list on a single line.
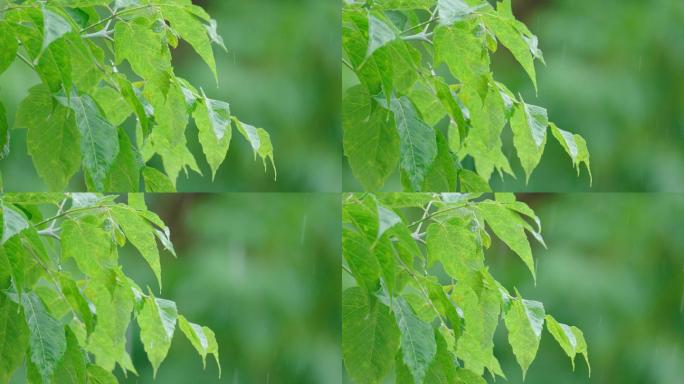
[(615, 268), (614, 75), (262, 270), (281, 73)]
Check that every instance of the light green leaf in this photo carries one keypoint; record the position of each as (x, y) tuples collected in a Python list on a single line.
[(202, 338), (13, 223), (371, 143), (97, 375), (379, 33), (418, 343), (418, 144), (575, 146), (14, 336), (99, 140), (156, 181), (504, 26), (47, 342), (524, 320), (386, 220), (370, 337), (464, 52), (451, 11), (141, 234), (480, 301), (260, 141), (124, 175), (212, 118), (53, 139), (454, 244), (113, 301), (143, 46), (85, 240), (54, 27), (72, 367), (570, 339), (8, 46), (529, 124), (191, 30), (157, 321), (508, 227), (356, 252)]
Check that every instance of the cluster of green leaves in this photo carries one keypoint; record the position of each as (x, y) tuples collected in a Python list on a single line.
[(75, 117), (426, 98), (65, 302), (422, 303)]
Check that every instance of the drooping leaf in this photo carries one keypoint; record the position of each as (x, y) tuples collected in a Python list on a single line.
[(212, 118), (575, 146), (524, 320), (14, 336), (99, 140), (157, 321), (418, 144), (89, 244), (53, 139), (529, 124), (371, 143), (202, 338), (370, 337), (141, 234), (418, 343), (47, 340), (8, 46)]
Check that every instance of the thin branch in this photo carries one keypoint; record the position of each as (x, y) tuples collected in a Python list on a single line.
[(63, 214)]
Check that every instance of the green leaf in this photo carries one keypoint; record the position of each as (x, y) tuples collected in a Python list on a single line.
[(370, 337), (504, 26), (124, 176), (190, 30), (379, 33), (508, 227), (156, 181), (529, 124), (14, 335), (464, 53), (570, 339), (212, 118), (202, 338), (371, 143), (54, 27), (483, 142), (451, 11), (53, 139), (97, 375), (113, 301), (85, 240), (418, 146), (13, 223), (356, 251), (157, 321), (524, 320), (141, 234), (8, 46), (455, 246), (418, 343), (99, 140), (72, 368), (480, 301), (386, 220), (575, 146), (47, 342), (260, 141), (143, 45)]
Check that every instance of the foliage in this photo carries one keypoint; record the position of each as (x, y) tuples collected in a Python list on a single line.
[(75, 117), (424, 305), (66, 304), (427, 100)]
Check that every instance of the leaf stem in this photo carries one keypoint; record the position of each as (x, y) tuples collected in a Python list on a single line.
[(67, 213), (115, 15)]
